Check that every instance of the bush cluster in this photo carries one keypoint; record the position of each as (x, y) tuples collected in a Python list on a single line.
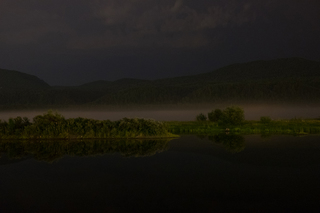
[(232, 115), (54, 125)]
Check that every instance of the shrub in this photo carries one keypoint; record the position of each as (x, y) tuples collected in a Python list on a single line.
[(201, 117), (54, 125), (265, 119), (215, 115), (233, 115)]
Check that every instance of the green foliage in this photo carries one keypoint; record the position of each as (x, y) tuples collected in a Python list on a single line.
[(233, 115), (215, 115), (53, 125), (201, 117), (192, 127)]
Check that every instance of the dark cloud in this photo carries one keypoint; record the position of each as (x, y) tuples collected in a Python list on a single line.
[(102, 24), (60, 39), (161, 23)]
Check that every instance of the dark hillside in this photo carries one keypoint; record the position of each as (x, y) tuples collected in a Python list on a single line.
[(281, 80), (18, 89), (124, 83), (14, 80), (279, 69), (289, 80), (96, 85), (266, 70), (273, 70), (94, 91)]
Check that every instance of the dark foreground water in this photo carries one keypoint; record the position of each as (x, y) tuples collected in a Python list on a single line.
[(190, 174)]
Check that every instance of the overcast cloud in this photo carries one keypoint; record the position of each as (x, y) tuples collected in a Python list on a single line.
[(58, 39)]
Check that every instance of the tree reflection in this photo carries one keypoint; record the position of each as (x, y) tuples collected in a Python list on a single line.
[(232, 142), (52, 150)]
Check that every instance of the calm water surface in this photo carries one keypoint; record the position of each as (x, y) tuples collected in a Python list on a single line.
[(200, 174)]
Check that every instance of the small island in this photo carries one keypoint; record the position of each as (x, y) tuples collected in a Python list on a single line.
[(53, 125)]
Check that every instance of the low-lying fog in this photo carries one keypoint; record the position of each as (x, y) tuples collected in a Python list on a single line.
[(251, 113)]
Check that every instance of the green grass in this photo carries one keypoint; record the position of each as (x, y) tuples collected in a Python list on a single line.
[(192, 127), (293, 127)]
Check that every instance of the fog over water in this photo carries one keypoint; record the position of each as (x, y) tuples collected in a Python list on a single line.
[(253, 112)]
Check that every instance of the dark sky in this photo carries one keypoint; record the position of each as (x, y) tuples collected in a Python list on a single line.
[(70, 42)]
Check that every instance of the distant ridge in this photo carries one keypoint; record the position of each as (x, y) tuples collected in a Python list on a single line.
[(14, 80), (282, 80), (118, 84), (283, 68), (273, 69)]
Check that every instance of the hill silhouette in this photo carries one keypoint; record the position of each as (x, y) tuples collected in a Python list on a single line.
[(19, 89), (14, 80), (280, 80), (279, 69)]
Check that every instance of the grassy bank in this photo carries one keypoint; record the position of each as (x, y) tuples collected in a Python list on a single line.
[(193, 127), (232, 120), (292, 126), (54, 126)]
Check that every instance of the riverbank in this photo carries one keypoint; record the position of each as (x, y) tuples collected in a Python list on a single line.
[(54, 126), (291, 126)]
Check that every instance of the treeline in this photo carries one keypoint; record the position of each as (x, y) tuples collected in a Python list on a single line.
[(53, 125), (280, 91)]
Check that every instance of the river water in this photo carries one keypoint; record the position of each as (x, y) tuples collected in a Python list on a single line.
[(222, 173)]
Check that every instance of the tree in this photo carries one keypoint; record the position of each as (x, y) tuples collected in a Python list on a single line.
[(233, 115), (201, 117), (215, 115)]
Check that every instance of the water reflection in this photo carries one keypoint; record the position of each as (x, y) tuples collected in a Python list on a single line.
[(232, 142), (280, 174), (52, 150)]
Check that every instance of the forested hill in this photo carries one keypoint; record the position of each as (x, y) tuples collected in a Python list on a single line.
[(273, 70), (14, 80), (281, 80), (280, 69)]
